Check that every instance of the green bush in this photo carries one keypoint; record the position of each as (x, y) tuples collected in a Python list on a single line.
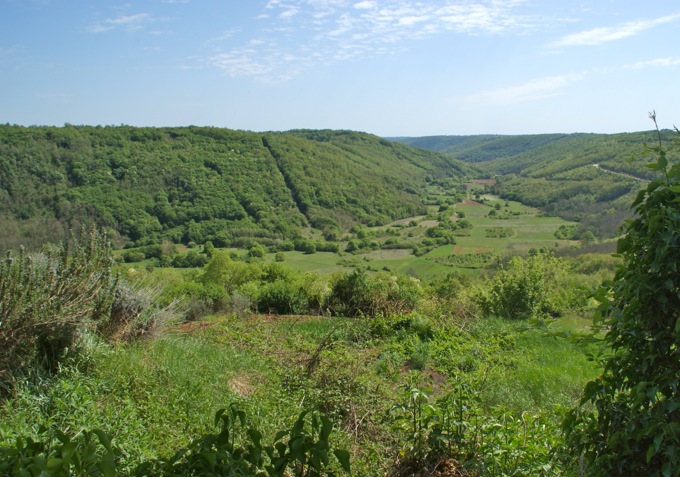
[(283, 297), (455, 429), (358, 293), (528, 288), (49, 301)]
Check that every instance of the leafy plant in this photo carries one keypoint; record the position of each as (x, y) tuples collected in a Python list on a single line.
[(56, 454), (415, 416), (628, 421), (454, 428), (304, 449)]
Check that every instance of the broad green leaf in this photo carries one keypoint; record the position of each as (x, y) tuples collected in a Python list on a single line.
[(343, 457)]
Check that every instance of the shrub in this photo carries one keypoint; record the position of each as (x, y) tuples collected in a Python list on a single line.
[(191, 259), (48, 301), (283, 297), (136, 313), (257, 250), (530, 288), (133, 257), (358, 293)]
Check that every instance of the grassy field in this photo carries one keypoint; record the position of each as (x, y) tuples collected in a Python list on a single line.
[(529, 230), (155, 395), (522, 228)]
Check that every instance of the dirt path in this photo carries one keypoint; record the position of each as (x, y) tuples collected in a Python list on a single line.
[(630, 176)]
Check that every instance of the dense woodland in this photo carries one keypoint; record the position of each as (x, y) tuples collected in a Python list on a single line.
[(182, 332), (198, 184)]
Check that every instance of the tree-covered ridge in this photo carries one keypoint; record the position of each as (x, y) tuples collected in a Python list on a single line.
[(198, 183), (481, 148)]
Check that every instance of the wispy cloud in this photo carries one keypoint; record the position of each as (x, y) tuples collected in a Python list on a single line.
[(127, 22), (597, 36), (8, 51), (657, 63), (533, 90), (12, 56), (297, 34)]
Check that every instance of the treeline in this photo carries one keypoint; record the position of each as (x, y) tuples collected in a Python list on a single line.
[(195, 184)]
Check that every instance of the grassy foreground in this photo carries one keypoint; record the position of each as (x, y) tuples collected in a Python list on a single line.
[(386, 383)]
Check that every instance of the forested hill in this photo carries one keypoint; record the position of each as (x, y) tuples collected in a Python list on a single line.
[(585, 177), (515, 154), (193, 184)]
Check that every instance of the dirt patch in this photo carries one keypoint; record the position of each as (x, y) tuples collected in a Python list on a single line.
[(483, 250), (473, 203), (428, 223), (241, 386), (273, 317), (193, 326), (405, 221), (443, 467)]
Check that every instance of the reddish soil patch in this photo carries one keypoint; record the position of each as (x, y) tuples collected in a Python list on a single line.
[(483, 250), (273, 317), (485, 181)]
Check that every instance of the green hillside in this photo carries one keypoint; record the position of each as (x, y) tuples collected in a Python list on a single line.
[(589, 178), (483, 147), (194, 184)]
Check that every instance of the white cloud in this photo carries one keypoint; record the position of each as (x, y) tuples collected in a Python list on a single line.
[(659, 63), (533, 90), (601, 35), (289, 13), (365, 5), (338, 30), (412, 20), (129, 22)]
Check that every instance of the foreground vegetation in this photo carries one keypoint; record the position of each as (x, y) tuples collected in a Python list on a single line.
[(240, 365), (415, 380)]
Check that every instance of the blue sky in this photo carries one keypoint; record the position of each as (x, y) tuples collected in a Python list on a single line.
[(388, 67)]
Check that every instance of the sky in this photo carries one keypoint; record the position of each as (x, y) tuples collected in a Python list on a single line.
[(386, 67)]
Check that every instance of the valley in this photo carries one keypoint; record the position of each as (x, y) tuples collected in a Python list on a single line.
[(303, 303)]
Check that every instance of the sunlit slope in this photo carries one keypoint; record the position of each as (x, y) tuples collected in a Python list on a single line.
[(194, 184)]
